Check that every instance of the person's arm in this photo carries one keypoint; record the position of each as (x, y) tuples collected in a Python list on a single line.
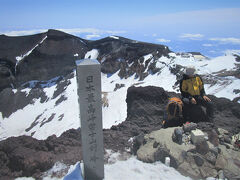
[(202, 90)]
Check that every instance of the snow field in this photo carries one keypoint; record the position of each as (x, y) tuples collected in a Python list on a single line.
[(19, 121)]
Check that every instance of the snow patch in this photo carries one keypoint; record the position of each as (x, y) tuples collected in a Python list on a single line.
[(147, 57), (75, 55), (93, 54), (25, 178), (132, 168), (220, 63), (114, 37), (21, 57)]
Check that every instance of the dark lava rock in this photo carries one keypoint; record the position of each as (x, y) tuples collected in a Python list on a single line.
[(138, 141), (211, 157), (177, 135), (198, 160), (26, 156), (213, 137), (202, 147), (12, 101), (7, 73), (118, 86), (147, 102), (227, 139)]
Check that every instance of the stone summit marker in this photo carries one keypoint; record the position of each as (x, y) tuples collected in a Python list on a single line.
[(90, 103)]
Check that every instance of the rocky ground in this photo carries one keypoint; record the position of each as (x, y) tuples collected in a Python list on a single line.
[(198, 160), (26, 156)]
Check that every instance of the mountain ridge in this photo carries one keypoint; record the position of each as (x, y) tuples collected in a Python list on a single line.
[(52, 53)]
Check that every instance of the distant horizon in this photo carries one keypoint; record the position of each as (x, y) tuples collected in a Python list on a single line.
[(210, 27)]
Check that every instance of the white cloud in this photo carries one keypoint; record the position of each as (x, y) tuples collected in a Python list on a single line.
[(226, 40), (93, 31), (212, 51), (74, 31), (192, 36), (113, 32), (163, 40), (91, 36), (207, 45), (22, 33), (80, 30), (154, 35)]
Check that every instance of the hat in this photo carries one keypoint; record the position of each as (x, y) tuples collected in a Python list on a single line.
[(190, 71)]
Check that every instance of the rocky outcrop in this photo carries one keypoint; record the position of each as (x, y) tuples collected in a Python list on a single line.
[(7, 73), (200, 160), (26, 156), (126, 55)]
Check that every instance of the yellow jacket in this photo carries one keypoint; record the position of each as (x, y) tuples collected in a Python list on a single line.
[(192, 86)]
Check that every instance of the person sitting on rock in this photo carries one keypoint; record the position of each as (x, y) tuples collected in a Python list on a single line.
[(192, 91)]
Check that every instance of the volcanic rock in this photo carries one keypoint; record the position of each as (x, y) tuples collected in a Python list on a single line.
[(26, 156)]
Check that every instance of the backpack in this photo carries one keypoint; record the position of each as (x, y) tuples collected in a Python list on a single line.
[(174, 108)]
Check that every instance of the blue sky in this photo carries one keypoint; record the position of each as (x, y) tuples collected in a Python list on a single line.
[(208, 26)]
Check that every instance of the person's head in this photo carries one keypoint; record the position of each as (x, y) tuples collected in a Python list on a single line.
[(190, 71)]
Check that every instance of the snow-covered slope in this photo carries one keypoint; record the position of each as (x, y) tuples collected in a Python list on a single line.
[(60, 112), (118, 169)]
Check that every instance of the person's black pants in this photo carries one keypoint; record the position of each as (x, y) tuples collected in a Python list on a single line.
[(206, 104), (200, 101)]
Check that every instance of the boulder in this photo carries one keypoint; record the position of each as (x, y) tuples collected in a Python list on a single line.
[(188, 127), (220, 162), (198, 160), (211, 157), (202, 146), (166, 148), (177, 135), (196, 136), (213, 137)]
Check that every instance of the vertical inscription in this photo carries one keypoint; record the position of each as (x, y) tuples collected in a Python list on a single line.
[(91, 119), (89, 93)]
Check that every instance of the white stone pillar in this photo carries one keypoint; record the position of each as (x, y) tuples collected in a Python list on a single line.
[(90, 102)]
